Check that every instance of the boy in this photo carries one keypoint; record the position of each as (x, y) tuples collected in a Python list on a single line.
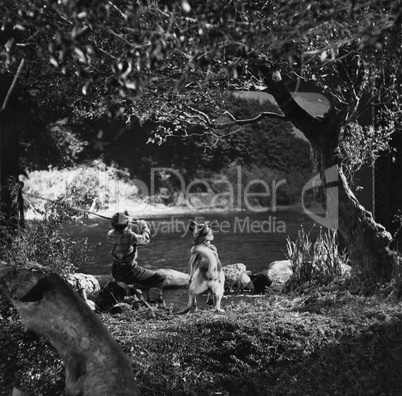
[(124, 252)]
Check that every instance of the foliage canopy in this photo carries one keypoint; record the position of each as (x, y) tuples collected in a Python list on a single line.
[(163, 60)]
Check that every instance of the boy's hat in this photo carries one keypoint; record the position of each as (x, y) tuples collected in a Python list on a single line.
[(120, 219)]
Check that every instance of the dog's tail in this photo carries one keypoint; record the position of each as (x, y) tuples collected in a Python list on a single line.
[(186, 310), (190, 305)]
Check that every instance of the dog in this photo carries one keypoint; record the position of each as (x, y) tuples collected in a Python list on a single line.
[(205, 268)]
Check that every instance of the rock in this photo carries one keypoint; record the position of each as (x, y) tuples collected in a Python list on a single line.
[(85, 282), (244, 282), (235, 267), (279, 271), (91, 304), (174, 278), (236, 277), (103, 279), (261, 282), (346, 269)]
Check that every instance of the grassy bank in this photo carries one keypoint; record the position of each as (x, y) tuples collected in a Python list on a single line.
[(322, 342)]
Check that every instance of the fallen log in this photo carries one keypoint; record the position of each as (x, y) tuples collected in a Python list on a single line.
[(94, 363)]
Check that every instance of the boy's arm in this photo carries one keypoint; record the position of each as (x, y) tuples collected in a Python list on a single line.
[(144, 237)]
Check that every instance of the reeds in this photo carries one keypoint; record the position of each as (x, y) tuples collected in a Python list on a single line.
[(318, 259)]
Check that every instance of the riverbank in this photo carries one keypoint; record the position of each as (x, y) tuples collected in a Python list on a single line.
[(104, 190), (323, 341), (146, 210)]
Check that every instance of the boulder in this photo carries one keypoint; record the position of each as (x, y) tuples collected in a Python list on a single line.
[(237, 278), (346, 269), (279, 271), (261, 282), (174, 278), (244, 282), (86, 282), (103, 279)]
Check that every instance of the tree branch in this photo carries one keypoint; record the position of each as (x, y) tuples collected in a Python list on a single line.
[(10, 90), (311, 126), (203, 119), (247, 121)]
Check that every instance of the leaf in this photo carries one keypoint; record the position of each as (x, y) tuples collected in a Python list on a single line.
[(186, 7), (85, 88), (54, 61), (81, 55)]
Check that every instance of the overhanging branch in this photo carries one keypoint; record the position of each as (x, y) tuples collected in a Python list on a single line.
[(10, 90), (202, 118), (248, 121), (308, 124)]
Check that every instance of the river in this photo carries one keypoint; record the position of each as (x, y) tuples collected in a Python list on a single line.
[(255, 239)]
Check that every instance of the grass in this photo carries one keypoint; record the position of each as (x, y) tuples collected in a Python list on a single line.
[(316, 259), (323, 341)]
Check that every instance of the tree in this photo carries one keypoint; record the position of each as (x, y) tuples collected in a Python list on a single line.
[(11, 126), (356, 70)]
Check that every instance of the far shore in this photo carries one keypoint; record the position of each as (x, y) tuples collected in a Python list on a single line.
[(145, 210)]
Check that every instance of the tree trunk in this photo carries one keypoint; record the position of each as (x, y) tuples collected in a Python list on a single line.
[(13, 117), (367, 242), (94, 362)]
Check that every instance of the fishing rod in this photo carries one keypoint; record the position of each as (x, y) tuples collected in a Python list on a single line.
[(94, 213), (134, 221)]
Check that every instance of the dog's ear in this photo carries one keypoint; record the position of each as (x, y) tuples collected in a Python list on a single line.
[(213, 225), (192, 225), (204, 229)]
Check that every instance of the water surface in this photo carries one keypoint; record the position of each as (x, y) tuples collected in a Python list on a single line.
[(255, 239)]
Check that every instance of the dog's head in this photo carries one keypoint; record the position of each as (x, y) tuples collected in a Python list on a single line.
[(202, 232)]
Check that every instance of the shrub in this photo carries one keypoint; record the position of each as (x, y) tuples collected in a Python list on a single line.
[(44, 241), (82, 184), (319, 260)]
